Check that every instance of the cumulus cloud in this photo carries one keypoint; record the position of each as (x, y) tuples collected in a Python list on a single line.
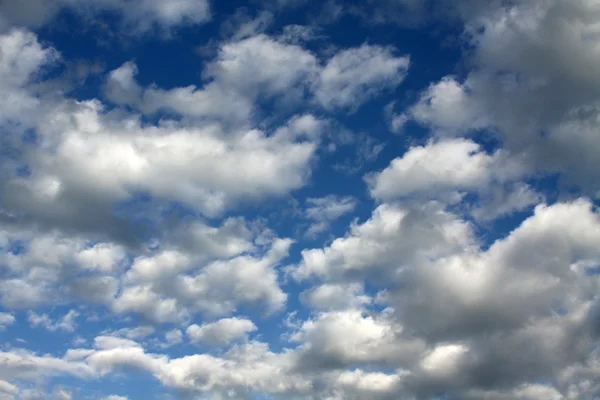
[(444, 166), (394, 236), (149, 224), (353, 76), (221, 332), (533, 83)]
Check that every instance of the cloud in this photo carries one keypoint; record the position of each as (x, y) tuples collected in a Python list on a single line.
[(138, 16), (467, 271), (52, 267), (6, 319), (222, 332), (335, 296), (533, 83), (24, 365), (439, 167), (353, 76), (322, 211), (340, 339), (65, 323), (22, 58), (142, 160), (394, 236)]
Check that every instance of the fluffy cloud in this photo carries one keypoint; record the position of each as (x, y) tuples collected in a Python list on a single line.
[(137, 218), (353, 76), (6, 319), (22, 58), (395, 236), (534, 83), (52, 267), (90, 147), (169, 287), (335, 296), (480, 307), (221, 332), (442, 166)]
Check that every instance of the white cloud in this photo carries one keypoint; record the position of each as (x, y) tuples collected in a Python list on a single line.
[(22, 58), (24, 365), (394, 237), (92, 155), (438, 167), (65, 323), (448, 109), (409, 303), (534, 83), (170, 287), (222, 332), (529, 292), (52, 267), (359, 384), (6, 319), (339, 339), (335, 296), (354, 76)]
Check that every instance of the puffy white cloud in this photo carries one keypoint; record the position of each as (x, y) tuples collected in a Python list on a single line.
[(534, 83), (438, 167), (354, 76), (335, 296), (359, 384), (529, 293), (52, 267), (339, 339), (92, 154), (22, 58), (394, 237), (165, 288), (260, 67), (221, 332), (447, 108)]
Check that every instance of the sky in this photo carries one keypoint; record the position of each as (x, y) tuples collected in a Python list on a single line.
[(292, 199)]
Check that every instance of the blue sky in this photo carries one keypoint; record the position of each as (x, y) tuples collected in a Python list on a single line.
[(285, 199)]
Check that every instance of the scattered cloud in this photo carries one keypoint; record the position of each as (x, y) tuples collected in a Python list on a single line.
[(147, 213)]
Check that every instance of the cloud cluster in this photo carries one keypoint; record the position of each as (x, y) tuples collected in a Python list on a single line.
[(175, 232)]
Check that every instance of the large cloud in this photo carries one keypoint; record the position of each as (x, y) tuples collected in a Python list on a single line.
[(534, 82)]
